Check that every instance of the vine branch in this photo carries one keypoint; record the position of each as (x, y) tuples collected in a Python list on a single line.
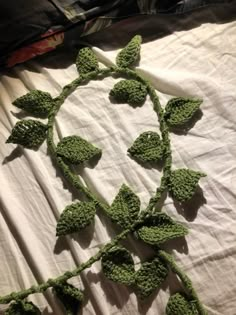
[(77, 183)]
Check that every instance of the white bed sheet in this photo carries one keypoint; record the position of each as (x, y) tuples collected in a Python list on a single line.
[(200, 62)]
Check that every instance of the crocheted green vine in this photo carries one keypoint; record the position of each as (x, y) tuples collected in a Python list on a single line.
[(149, 225)]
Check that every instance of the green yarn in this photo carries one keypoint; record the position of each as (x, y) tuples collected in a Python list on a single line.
[(129, 91), (125, 207), (150, 277), (29, 133), (75, 217), (86, 61), (118, 265), (37, 103), (159, 228), (70, 297), (179, 305), (179, 110), (183, 183), (76, 150), (152, 227), (148, 147), (130, 54), (22, 308), (186, 282)]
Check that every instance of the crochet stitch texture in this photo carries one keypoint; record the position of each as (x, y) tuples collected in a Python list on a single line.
[(76, 150), (151, 226), (35, 102), (129, 91)]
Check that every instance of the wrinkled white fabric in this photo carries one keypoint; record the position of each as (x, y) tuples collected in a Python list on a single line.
[(201, 63)]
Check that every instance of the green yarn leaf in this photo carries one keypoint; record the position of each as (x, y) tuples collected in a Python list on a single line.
[(76, 150), (29, 133), (125, 207), (75, 217), (183, 183), (22, 308), (180, 110), (129, 91), (130, 54), (150, 277), (159, 228), (118, 265), (178, 304), (86, 61), (70, 297), (37, 103), (147, 147)]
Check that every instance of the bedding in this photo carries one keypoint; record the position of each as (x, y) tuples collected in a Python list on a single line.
[(36, 27), (197, 62)]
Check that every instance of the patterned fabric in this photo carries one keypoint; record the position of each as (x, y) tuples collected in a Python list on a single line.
[(84, 17)]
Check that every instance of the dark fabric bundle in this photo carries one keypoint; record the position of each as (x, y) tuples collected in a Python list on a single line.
[(32, 27)]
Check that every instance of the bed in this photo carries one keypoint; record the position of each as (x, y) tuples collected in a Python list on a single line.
[(183, 56)]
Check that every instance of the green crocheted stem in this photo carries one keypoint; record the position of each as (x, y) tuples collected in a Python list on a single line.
[(140, 87), (73, 179), (70, 88), (69, 274), (67, 90), (76, 182), (166, 144), (187, 283), (164, 133)]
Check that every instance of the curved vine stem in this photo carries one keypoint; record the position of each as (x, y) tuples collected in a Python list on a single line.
[(69, 175), (76, 182), (68, 274), (166, 143), (164, 134)]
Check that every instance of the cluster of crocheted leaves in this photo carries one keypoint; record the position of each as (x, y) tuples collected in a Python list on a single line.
[(118, 266), (29, 133), (178, 304), (75, 217), (129, 91), (76, 150), (132, 92), (36, 102), (70, 297), (148, 147), (157, 228), (87, 62)]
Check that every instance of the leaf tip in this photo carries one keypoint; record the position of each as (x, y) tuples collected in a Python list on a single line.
[(130, 54), (8, 140)]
